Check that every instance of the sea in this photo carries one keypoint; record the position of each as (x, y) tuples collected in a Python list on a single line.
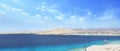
[(33, 42)]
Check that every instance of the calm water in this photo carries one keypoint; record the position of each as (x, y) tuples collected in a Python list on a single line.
[(30, 42)]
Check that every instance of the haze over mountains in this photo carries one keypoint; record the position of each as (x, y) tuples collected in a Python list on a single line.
[(81, 31), (66, 31)]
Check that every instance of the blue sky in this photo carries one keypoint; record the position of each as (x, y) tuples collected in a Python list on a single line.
[(22, 15)]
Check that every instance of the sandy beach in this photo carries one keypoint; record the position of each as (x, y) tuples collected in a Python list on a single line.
[(108, 47)]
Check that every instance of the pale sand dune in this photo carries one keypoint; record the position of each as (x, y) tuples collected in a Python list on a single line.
[(108, 47)]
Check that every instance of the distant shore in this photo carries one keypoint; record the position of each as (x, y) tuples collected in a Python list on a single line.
[(63, 31)]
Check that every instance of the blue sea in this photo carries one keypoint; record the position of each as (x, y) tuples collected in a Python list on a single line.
[(32, 42)]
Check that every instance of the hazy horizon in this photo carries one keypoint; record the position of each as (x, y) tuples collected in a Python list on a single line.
[(27, 15)]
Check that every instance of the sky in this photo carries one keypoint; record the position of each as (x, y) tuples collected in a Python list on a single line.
[(26, 15)]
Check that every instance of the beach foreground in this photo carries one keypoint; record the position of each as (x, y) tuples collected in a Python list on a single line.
[(108, 47)]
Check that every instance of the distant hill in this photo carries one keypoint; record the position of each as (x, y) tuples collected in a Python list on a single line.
[(66, 31), (82, 31), (57, 31)]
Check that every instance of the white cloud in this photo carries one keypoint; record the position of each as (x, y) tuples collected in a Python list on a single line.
[(60, 18), (52, 10), (52, 13), (13, 13), (40, 19), (46, 18), (17, 9), (12, 9), (81, 19), (43, 3), (72, 19), (37, 8), (16, 1), (2, 12), (25, 13), (106, 17), (89, 13), (4, 6), (75, 19), (37, 16), (43, 7), (108, 14)]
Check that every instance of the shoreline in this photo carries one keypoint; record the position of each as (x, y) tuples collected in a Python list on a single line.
[(97, 47), (61, 34), (83, 34), (65, 31), (106, 47)]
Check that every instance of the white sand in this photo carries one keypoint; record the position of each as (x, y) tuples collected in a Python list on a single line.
[(108, 47)]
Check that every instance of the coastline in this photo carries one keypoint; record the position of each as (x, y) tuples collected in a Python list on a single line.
[(83, 34), (107, 47), (63, 31), (63, 34), (110, 46)]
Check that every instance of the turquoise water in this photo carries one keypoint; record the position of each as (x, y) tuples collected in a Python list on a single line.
[(52, 42), (59, 47)]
